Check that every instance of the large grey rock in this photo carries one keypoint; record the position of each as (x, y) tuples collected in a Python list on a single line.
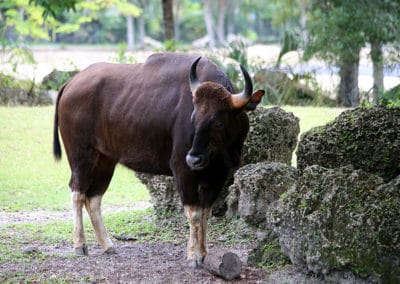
[(255, 187), (341, 219), (272, 136), (368, 139)]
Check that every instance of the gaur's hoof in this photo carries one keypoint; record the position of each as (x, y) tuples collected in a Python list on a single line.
[(83, 250), (196, 263), (110, 250)]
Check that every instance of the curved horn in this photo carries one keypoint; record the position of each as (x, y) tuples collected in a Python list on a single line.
[(193, 80), (243, 98)]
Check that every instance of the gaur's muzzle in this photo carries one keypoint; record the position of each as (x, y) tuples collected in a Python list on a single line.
[(196, 162)]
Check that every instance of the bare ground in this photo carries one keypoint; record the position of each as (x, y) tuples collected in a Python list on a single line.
[(135, 262)]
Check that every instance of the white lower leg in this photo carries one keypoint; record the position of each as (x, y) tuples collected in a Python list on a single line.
[(196, 247), (78, 199), (93, 207)]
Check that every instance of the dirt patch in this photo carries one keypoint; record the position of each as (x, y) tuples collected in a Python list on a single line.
[(133, 263)]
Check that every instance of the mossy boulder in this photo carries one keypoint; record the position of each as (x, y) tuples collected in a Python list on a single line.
[(367, 139), (268, 253), (272, 136), (341, 219), (255, 187)]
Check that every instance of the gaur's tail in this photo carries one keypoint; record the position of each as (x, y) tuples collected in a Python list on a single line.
[(56, 138)]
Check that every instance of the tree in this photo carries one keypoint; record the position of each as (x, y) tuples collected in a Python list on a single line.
[(168, 16), (208, 19), (381, 26), (55, 8), (335, 35), (222, 7), (340, 28)]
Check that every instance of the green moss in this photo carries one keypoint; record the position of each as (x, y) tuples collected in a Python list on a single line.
[(268, 254)]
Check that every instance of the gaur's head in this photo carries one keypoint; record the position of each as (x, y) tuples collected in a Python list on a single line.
[(215, 116)]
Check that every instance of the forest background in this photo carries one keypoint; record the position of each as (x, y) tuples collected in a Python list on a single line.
[(344, 39)]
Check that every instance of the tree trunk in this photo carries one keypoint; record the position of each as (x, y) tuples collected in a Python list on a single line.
[(130, 32), (177, 20), (142, 31), (230, 19), (209, 22), (348, 86), (168, 16), (377, 62), (303, 24), (222, 5)]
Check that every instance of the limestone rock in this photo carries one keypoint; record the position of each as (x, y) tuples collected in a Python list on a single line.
[(272, 136), (367, 139), (341, 219), (255, 187)]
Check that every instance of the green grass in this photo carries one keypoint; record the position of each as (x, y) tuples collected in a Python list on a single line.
[(30, 179), (313, 116)]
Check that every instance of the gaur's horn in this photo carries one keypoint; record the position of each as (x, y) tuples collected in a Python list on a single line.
[(243, 98), (193, 80)]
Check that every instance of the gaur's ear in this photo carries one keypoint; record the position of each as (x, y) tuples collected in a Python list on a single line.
[(255, 100)]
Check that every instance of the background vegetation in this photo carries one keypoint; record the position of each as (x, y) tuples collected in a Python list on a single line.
[(334, 31)]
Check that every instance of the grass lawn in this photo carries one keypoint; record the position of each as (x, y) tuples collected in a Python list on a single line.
[(30, 179)]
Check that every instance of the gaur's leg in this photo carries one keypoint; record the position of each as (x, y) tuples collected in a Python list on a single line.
[(89, 181), (78, 200), (101, 176), (93, 207), (197, 245)]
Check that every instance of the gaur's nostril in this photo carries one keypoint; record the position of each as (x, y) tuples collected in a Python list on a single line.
[(195, 161)]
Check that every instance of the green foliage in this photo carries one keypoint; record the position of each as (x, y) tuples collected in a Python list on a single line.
[(237, 50), (268, 254), (289, 43), (335, 31), (391, 98), (170, 45), (122, 56), (55, 7), (339, 29)]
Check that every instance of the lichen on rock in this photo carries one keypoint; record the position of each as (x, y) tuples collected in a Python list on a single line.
[(255, 187), (341, 219), (272, 136), (367, 139)]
